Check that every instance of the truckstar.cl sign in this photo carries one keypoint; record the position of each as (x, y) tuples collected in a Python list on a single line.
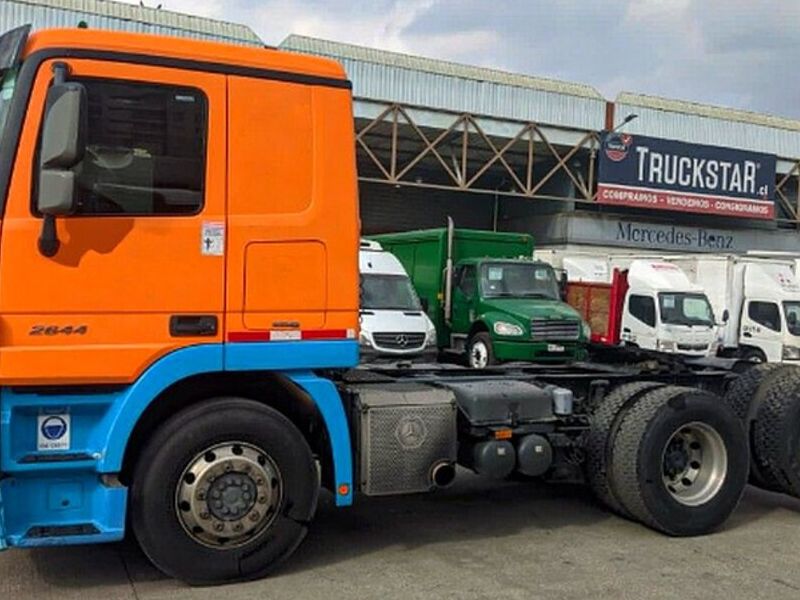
[(646, 172)]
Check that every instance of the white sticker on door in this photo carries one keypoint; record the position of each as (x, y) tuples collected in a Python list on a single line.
[(212, 240), (53, 432)]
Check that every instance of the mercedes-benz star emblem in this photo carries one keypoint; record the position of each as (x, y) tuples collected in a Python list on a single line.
[(401, 340)]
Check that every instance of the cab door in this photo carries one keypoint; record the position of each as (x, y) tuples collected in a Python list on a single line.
[(639, 321), (139, 269), (465, 291), (762, 328)]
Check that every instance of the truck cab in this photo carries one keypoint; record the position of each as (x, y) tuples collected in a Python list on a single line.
[(664, 311), (762, 296), (393, 324), (490, 301), (640, 301)]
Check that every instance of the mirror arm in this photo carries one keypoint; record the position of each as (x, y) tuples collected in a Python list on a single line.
[(48, 239), (60, 72)]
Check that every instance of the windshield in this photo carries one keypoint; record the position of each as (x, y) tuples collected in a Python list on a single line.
[(6, 90), (388, 292), (792, 312), (518, 280), (685, 309)]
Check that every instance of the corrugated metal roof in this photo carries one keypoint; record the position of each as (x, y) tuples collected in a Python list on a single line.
[(708, 124), (394, 77), (107, 14)]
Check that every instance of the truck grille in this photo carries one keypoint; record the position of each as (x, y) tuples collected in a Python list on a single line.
[(399, 341), (693, 347), (552, 329)]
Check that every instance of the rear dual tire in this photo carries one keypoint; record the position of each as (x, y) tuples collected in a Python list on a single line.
[(679, 461), (675, 459)]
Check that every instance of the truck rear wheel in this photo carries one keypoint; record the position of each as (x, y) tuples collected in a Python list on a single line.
[(223, 491), (480, 353), (603, 421), (680, 461), (776, 436), (745, 397)]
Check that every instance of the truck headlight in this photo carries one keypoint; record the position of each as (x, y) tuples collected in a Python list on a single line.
[(587, 330), (364, 340), (666, 346), (430, 337), (791, 353), (503, 328)]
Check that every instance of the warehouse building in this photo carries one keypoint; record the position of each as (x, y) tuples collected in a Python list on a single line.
[(120, 16), (505, 151)]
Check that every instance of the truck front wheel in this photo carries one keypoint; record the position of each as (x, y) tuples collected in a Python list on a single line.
[(223, 491), (480, 353)]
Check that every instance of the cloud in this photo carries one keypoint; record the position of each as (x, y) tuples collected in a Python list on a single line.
[(729, 52)]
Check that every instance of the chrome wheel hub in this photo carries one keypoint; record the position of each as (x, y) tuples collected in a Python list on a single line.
[(228, 494), (695, 464), (478, 356)]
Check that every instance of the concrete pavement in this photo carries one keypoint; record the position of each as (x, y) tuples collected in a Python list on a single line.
[(475, 540)]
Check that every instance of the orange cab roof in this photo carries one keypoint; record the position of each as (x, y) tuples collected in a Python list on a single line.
[(185, 49)]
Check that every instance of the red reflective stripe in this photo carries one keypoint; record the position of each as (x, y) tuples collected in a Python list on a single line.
[(248, 336), (324, 334), (265, 336)]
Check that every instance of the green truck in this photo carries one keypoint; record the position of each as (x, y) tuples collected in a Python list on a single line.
[(487, 297)]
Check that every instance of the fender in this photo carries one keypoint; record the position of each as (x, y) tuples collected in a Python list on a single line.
[(101, 432)]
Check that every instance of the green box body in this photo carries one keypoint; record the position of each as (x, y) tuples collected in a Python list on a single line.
[(424, 256)]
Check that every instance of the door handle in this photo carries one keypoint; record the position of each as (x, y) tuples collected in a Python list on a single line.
[(626, 330), (193, 325)]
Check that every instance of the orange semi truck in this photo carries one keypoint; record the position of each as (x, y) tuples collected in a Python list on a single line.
[(179, 327)]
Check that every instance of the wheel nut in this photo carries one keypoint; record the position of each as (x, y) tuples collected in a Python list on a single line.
[(260, 481), (218, 526), (262, 499), (205, 516), (238, 527), (254, 516), (201, 496), (228, 468)]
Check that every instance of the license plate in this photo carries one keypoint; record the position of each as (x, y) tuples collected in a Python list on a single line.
[(555, 348)]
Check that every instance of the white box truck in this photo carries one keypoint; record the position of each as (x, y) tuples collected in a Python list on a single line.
[(639, 301), (762, 297)]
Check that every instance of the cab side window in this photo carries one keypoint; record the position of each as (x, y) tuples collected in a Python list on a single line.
[(643, 308), (766, 314), (145, 149), (465, 280)]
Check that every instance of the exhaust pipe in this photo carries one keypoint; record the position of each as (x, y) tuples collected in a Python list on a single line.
[(443, 474), (448, 273)]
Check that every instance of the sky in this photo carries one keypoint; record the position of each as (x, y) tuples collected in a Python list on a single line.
[(736, 53)]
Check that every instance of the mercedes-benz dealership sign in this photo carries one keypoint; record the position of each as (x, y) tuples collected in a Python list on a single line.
[(648, 172)]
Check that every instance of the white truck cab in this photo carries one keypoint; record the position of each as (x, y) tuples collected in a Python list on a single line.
[(394, 325), (638, 300), (762, 296), (665, 311)]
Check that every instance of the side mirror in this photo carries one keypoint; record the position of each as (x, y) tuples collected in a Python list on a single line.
[(725, 315), (562, 285), (62, 148)]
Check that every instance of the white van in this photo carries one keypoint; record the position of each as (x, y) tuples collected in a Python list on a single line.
[(762, 297), (393, 324)]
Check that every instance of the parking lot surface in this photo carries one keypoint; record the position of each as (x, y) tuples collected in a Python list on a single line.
[(477, 539)]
